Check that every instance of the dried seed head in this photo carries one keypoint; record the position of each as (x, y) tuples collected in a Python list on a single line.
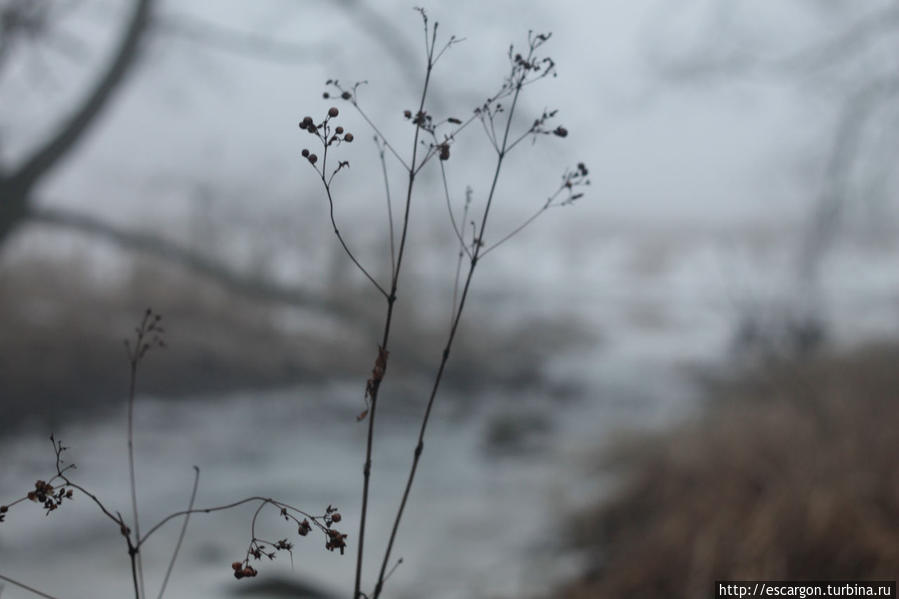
[(348, 137), (346, 95), (304, 528), (338, 130), (313, 158), (332, 112), (236, 566), (336, 517)]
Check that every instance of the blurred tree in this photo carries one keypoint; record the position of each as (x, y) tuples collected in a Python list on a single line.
[(23, 21), (27, 24), (841, 53)]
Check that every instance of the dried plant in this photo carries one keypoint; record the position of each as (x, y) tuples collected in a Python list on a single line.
[(433, 139), (60, 487)]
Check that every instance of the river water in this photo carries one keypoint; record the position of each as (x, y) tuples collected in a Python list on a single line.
[(501, 469)]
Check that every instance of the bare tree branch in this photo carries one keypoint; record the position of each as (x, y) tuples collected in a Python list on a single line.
[(15, 187), (845, 148), (64, 140), (214, 270), (843, 63), (18, 182)]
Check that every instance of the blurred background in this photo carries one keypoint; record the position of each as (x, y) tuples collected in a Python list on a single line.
[(688, 375)]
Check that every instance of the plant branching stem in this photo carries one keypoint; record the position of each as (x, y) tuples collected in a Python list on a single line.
[(377, 131), (219, 508), (135, 553), (344, 245), (190, 505), (391, 301), (132, 554), (452, 216), (419, 447), (546, 206), (389, 210), (22, 585)]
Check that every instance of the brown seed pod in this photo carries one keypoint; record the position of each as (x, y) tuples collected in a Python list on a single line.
[(332, 112)]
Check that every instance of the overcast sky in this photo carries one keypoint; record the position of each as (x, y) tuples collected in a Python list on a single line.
[(726, 151)]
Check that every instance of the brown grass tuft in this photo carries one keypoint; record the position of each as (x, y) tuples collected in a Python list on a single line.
[(789, 474)]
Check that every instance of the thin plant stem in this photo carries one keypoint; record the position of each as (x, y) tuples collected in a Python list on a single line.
[(463, 250), (326, 182), (546, 206), (96, 500), (132, 555), (219, 508), (133, 484), (117, 518), (389, 209), (143, 342), (449, 207), (344, 245), (391, 300), (377, 131), (22, 585), (190, 505), (419, 447)]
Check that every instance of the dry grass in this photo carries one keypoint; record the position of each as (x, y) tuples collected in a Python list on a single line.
[(789, 474)]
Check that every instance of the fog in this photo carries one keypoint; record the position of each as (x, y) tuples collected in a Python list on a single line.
[(737, 232)]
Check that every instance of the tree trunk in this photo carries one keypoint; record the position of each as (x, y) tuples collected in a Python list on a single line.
[(17, 185)]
